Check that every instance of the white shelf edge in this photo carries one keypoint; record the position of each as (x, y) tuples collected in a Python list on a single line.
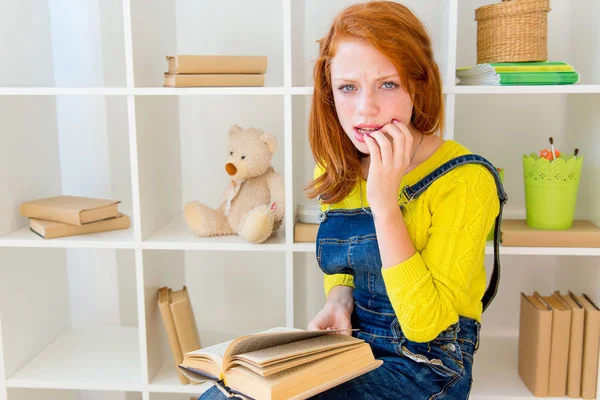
[(10, 383), (275, 247), (276, 90), (547, 89), (309, 247)]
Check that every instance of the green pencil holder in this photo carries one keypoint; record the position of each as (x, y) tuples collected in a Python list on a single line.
[(490, 235), (551, 191)]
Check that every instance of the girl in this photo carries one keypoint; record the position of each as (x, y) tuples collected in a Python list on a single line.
[(405, 214)]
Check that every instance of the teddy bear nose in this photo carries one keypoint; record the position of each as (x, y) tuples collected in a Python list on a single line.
[(231, 169)]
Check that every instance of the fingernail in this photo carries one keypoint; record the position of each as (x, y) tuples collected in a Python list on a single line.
[(395, 121)]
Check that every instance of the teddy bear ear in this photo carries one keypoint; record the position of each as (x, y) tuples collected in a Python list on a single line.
[(235, 128), (269, 140)]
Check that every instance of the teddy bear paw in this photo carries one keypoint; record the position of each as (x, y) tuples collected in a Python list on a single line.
[(257, 225)]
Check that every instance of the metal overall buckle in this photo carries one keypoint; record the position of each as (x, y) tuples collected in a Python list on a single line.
[(406, 193)]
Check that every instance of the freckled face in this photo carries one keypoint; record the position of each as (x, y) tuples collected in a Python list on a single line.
[(367, 91)]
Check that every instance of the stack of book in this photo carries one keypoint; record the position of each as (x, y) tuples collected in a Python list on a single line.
[(281, 363), (62, 216), (213, 70), (307, 223), (559, 340), (180, 324), (518, 73)]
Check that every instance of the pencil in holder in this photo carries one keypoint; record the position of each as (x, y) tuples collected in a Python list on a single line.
[(551, 191), (490, 235)]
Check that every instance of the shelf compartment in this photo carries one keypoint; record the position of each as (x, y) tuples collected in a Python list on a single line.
[(220, 286), (105, 358), (63, 145), (170, 28), (65, 44), (183, 148), (69, 319), (569, 23)]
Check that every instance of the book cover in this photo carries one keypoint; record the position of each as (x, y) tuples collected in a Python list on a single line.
[(74, 210), (52, 229), (282, 363), (305, 232), (516, 233), (559, 348), (216, 64), (591, 348), (164, 305), (575, 345), (184, 320), (535, 335), (214, 80)]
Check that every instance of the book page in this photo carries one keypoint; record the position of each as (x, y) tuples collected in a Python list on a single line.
[(214, 353), (247, 344), (288, 363), (292, 350)]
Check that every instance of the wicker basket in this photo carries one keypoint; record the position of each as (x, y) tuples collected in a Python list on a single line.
[(513, 31)]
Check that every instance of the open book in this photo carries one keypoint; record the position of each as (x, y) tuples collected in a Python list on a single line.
[(281, 363)]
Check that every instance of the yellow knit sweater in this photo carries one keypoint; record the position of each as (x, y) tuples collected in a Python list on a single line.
[(448, 225)]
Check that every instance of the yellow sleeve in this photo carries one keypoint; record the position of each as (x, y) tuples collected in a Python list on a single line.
[(427, 289), (330, 281)]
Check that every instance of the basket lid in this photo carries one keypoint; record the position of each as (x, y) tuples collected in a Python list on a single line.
[(511, 7)]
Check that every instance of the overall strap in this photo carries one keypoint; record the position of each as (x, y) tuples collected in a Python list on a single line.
[(414, 191)]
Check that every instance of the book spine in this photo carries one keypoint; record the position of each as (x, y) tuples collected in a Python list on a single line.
[(214, 80), (175, 346), (189, 64)]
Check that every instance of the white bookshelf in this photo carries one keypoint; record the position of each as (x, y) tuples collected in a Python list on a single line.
[(84, 112)]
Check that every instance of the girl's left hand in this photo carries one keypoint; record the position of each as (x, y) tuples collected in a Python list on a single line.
[(389, 160)]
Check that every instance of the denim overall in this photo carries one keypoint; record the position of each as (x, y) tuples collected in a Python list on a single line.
[(441, 369)]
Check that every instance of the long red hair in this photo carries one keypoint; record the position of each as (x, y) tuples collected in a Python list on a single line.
[(397, 33)]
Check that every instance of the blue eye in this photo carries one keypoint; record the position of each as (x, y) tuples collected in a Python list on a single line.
[(393, 85), (342, 87)]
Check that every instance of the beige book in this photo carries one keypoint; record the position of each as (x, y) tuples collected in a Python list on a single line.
[(53, 229), (214, 80), (72, 210), (559, 348), (516, 233), (591, 348), (185, 321), (215, 64), (164, 305), (535, 339), (305, 232), (282, 363), (575, 345)]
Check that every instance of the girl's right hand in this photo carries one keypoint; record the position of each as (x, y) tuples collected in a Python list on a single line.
[(336, 313)]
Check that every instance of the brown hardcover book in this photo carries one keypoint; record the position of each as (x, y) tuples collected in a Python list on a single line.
[(214, 80), (559, 350), (575, 345), (282, 363), (53, 229), (164, 305), (305, 232), (72, 210), (215, 64), (535, 339), (516, 233), (185, 321), (591, 348)]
